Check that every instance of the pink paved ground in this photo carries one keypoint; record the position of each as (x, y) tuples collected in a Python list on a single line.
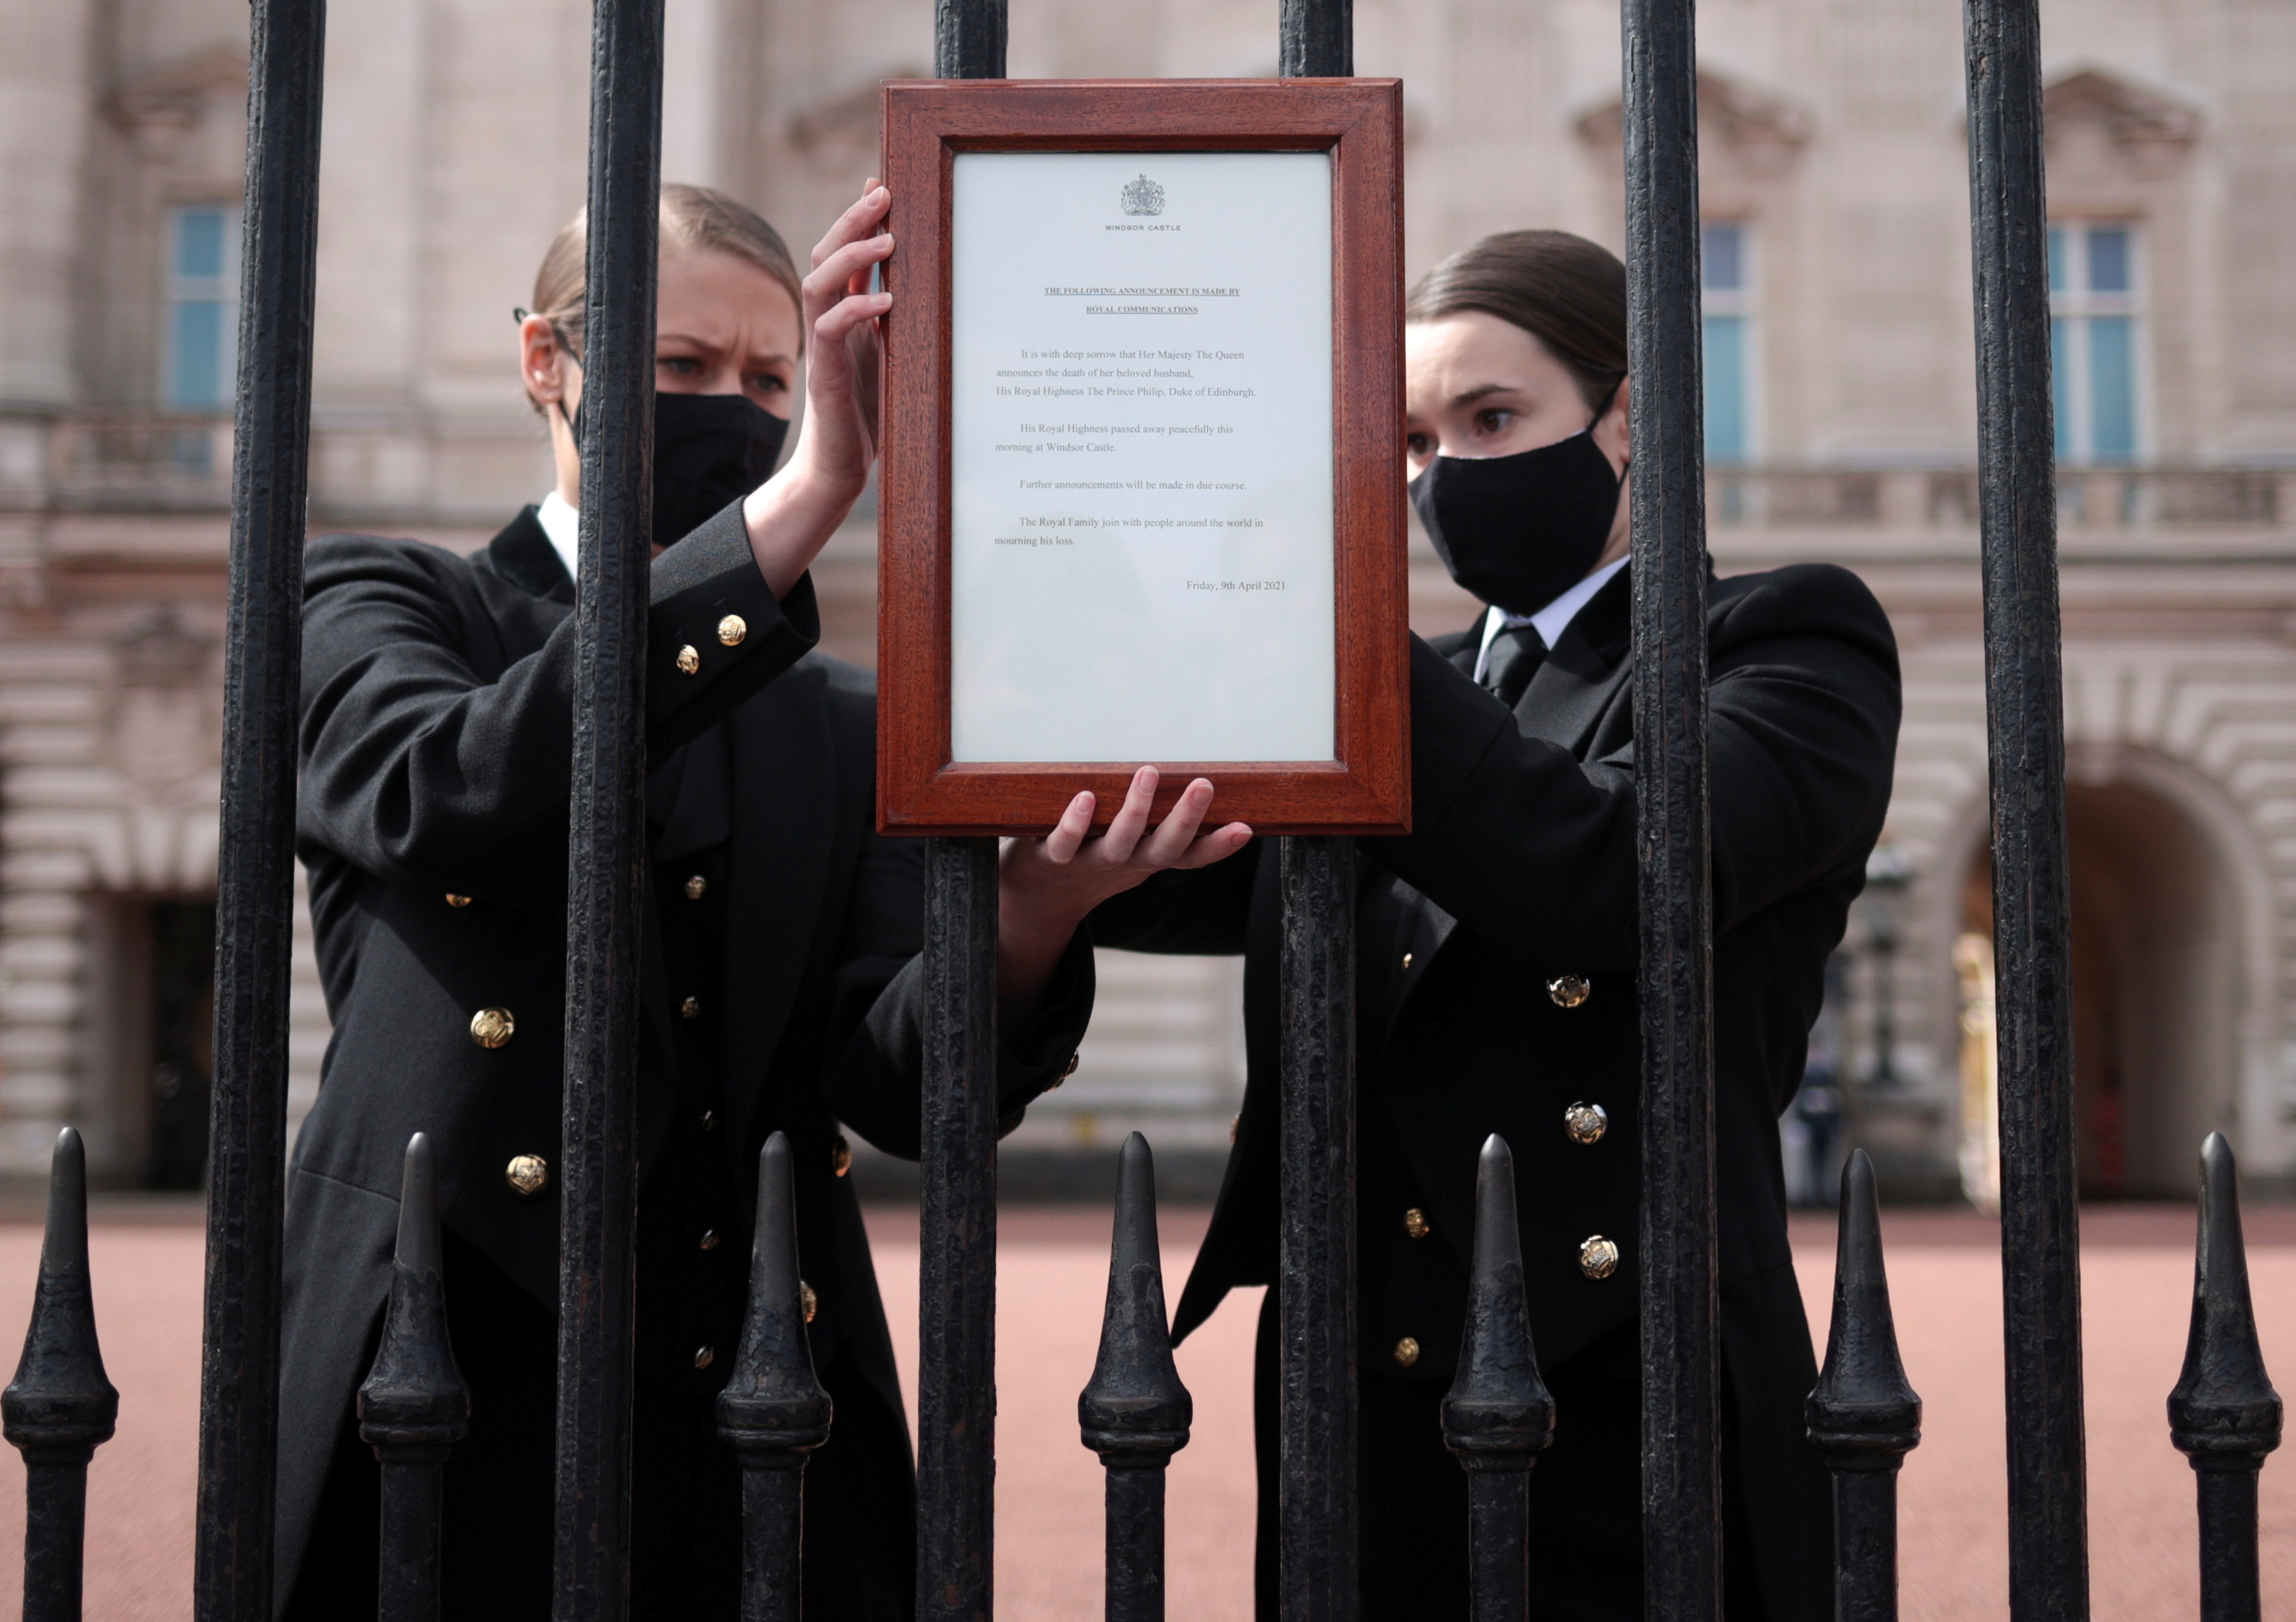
[(1944, 1276)]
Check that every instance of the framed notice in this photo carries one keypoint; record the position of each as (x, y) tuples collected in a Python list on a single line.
[(1142, 492)]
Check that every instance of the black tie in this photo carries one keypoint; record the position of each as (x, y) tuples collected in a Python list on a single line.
[(1514, 657)]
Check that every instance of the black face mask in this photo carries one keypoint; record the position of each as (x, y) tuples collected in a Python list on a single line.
[(709, 450), (1521, 530)]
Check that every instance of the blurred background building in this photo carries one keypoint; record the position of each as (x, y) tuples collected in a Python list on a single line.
[(1841, 424)]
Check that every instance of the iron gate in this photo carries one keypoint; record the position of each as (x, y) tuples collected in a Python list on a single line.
[(1862, 1416)]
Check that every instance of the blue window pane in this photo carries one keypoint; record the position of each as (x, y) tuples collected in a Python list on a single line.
[(199, 242), (2061, 374), (2056, 260), (195, 354), (1721, 253), (2112, 387), (2108, 261), (1725, 389)]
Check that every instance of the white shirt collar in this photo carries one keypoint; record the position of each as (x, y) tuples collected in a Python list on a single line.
[(1550, 622), (562, 521)]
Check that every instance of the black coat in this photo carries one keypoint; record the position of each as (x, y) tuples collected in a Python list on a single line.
[(436, 748), (1519, 871)]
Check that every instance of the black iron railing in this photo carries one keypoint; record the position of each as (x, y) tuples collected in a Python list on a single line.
[(1498, 1415), (255, 870)]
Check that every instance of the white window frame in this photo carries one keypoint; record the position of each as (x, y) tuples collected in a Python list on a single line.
[(1739, 303), (178, 290), (2076, 306)]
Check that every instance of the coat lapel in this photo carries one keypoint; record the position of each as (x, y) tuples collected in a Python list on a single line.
[(1583, 673), (782, 761), (1567, 698)]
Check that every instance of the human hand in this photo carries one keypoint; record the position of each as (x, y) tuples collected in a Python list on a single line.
[(793, 514), (1045, 887)]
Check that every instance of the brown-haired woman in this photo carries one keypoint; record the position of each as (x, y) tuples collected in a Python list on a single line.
[(1497, 948), (779, 975)]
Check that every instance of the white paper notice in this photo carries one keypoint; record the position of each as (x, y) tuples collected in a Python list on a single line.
[(1141, 457)]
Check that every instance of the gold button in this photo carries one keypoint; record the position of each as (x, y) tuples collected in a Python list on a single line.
[(1406, 960), (1415, 1223), (695, 886), (1568, 990), (1586, 1123), (1407, 1351), (689, 660), (710, 1239), (454, 900), (812, 1301), (707, 1355), (691, 1008), (1598, 1257), (528, 1174), (732, 630), (840, 1156), (492, 1027), (709, 1120)]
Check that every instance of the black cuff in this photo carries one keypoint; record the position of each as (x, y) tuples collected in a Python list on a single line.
[(714, 634), (1032, 1062)]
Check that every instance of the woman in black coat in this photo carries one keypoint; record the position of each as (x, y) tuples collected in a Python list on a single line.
[(1496, 951), (779, 978)]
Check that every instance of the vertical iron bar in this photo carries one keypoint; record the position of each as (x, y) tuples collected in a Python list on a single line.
[(2224, 1414), (1316, 39), (1498, 1416), (61, 1407), (956, 1320), (969, 38), (1135, 1413), (957, 1274), (2040, 1224), (1682, 1521), (773, 1410), (1863, 1416), (255, 873), (413, 1407), (1316, 1287), (598, 1189), (1316, 1291)]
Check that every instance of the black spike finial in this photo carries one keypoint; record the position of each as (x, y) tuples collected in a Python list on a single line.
[(1862, 1414), (774, 1410), (61, 1407), (2224, 1406), (413, 1406), (1134, 1412), (2224, 1414), (774, 1404), (1498, 1414)]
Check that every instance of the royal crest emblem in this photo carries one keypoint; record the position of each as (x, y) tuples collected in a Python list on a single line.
[(1144, 196)]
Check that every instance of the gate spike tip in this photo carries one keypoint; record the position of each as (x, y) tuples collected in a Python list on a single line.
[(1498, 1414), (1135, 1413), (1862, 1414), (774, 1410), (61, 1407), (413, 1406), (2223, 1414)]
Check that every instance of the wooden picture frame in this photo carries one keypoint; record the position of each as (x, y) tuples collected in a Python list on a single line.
[(1365, 787)]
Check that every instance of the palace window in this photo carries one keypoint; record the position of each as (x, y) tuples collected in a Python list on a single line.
[(1724, 255), (2095, 332), (199, 367)]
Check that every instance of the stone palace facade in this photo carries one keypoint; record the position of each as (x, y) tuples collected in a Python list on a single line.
[(1840, 426)]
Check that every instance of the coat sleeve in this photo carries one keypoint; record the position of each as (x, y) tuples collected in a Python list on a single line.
[(1205, 912), (1534, 850), (876, 1046), (416, 763)]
